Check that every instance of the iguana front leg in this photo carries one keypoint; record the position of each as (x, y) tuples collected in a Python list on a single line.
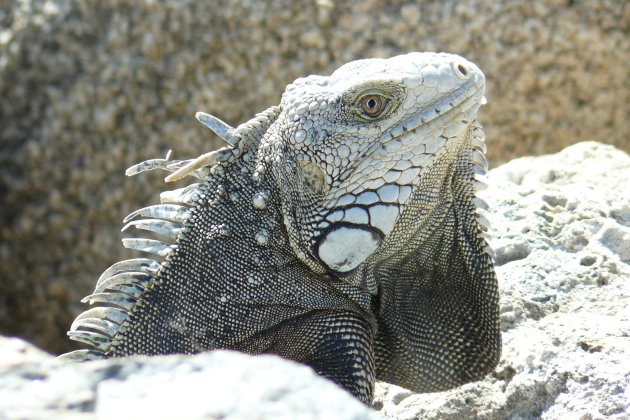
[(337, 344)]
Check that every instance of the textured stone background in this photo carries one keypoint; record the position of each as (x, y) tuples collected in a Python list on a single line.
[(88, 88)]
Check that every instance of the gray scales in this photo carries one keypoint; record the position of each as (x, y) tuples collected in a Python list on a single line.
[(339, 229)]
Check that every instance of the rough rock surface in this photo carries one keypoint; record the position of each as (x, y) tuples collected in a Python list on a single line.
[(561, 231), (91, 87), (218, 385)]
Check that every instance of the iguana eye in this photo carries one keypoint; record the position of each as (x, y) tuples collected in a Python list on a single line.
[(373, 105)]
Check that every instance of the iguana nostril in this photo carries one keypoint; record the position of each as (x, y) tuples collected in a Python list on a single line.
[(461, 70)]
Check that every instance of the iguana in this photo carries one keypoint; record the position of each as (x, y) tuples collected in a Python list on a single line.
[(339, 229)]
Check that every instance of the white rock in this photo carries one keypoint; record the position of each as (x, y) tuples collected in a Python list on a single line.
[(219, 384), (560, 226)]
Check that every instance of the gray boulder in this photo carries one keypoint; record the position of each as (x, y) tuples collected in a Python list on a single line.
[(217, 385)]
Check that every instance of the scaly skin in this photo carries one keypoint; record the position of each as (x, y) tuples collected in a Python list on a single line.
[(339, 229)]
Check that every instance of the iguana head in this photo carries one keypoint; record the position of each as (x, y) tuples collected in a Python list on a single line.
[(350, 150)]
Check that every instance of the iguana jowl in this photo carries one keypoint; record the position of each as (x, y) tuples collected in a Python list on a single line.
[(339, 229)]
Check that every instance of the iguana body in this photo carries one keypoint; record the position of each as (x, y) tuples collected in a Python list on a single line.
[(339, 229)]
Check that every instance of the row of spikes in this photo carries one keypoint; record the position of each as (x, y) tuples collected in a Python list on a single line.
[(121, 285), (480, 169), (233, 136)]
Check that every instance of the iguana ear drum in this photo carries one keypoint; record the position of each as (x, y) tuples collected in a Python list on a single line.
[(344, 247), (314, 176)]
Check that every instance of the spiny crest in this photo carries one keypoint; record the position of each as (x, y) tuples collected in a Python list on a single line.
[(480, 168), (121, 286)]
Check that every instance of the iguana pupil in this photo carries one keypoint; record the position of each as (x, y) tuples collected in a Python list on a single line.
[(373, 105), (339, 229)]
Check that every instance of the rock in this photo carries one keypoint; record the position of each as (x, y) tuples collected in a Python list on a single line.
[(220, 384), (561, 224), (14, 351), (89, 89), (562, 232)]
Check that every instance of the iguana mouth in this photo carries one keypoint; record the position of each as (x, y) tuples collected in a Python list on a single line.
[(442, 110)]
